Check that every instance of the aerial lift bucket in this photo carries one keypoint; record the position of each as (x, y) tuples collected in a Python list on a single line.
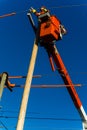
[(50, 30)]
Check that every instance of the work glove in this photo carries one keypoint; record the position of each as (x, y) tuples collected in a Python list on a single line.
[(32, 10)]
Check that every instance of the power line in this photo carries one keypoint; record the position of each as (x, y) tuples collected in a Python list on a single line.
[(35, 113), (44, 75), (53, 7), (52, 86), (43, 118), (68, 6), (19, 77), (47, 127), (3, 125), (53, 128), (49, 86), (12, 111), (6, 15)]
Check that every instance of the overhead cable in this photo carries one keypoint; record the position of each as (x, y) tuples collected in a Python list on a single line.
[(3, 125), (53, 7), (49, 86), (19, 77), (44, 118), (68, 6)]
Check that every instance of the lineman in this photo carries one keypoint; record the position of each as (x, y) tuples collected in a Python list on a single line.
[(42, 11)]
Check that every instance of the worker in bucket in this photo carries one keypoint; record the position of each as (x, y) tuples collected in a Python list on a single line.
[(42, 11), (44, 15)]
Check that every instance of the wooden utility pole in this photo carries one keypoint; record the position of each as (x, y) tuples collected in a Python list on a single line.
[(27, 87), (2, 83)]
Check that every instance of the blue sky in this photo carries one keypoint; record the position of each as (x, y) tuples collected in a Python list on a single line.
[(47, 107)]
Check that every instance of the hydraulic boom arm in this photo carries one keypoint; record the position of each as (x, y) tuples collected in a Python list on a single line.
[(67, 80)]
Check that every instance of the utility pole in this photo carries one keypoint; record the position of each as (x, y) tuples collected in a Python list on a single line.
[(2, 83), (27, 87)]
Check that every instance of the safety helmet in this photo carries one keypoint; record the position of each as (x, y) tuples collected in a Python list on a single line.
[(42, 8)]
